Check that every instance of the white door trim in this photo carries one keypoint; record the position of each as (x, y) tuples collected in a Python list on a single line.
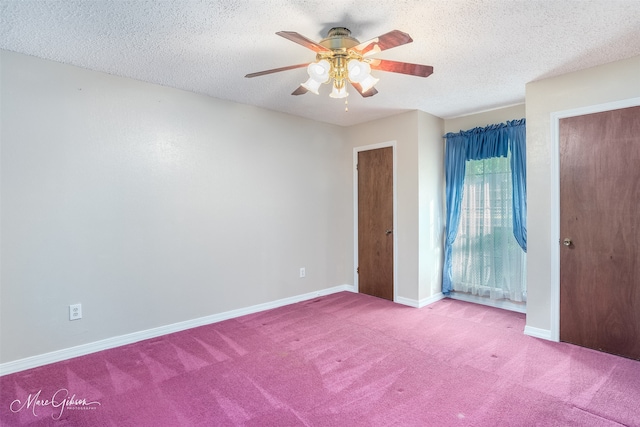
[(356, 150), (554, 251)]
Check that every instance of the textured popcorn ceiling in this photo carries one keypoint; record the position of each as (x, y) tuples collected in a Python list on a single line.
[(483, 52)]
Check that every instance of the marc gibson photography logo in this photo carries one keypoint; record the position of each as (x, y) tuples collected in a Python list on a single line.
[(59, 401)]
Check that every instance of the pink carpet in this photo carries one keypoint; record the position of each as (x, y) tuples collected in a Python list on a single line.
[(340, 360)]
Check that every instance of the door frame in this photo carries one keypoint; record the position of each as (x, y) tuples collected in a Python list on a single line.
[(357, 150), (554, 252)]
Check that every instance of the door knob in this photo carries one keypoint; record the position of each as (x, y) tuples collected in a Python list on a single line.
[(567, 241), (388, 232)]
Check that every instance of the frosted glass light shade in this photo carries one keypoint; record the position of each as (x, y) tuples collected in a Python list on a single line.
[(368, 82), (319, 71), (358, 70), (312, 85), (339, 93)]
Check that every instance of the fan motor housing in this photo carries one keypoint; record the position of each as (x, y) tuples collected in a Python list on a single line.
[(339, 38)]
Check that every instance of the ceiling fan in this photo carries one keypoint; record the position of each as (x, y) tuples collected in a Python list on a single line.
[(342, 58)]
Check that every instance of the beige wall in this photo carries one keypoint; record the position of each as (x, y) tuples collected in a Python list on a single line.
[(431, 206), (151, 206), (599, 85)]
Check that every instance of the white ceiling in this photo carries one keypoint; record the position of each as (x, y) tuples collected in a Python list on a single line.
[(483, 51)]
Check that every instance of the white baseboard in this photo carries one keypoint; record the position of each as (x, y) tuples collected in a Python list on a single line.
[(84, 349), (544, 334), (420, 303)]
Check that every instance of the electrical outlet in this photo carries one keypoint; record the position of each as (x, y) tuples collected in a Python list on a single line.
[(303, 272), (75, 311)]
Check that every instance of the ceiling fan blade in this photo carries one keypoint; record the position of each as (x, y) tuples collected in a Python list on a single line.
[(402, 67), (366, 94), (302, 40), (276, 70), (300, 91), (386, 41)]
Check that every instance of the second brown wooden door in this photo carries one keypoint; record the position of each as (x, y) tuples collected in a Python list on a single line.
[(600, 231), (375, 222)]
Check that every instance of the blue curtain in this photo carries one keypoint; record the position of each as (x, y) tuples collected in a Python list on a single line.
[(477, 144), (455, 166), (516, 130), (484, 143)]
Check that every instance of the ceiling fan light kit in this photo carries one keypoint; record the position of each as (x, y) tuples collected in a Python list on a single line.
[(341, 58)]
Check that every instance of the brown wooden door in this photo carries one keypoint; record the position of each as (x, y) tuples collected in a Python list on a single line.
[(600, 215), (375, 222)]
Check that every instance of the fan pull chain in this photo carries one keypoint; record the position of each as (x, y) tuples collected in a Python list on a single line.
[(346, 105)]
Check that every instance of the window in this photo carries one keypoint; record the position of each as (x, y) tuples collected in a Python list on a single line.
[(486, 258)]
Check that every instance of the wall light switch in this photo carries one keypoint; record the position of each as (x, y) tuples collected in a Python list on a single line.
[(303, 272), (75, 311)]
